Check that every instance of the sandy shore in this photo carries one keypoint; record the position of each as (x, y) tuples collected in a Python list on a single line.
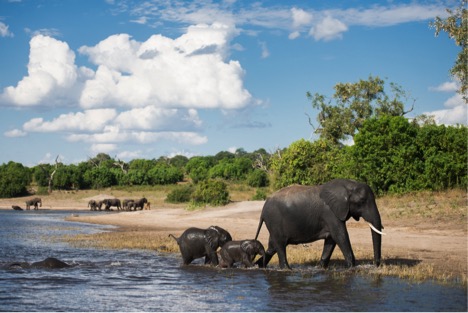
[(442, 246)]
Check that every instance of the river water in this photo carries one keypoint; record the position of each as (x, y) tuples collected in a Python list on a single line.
[(136, 280)]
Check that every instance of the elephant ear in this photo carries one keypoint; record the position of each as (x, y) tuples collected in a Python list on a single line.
[(212, 237), (336, 196), (248, 247)]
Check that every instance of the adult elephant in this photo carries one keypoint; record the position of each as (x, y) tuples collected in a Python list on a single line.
[(196, 243), (92, 204), (140, 203), (241, 251), (112, 202), (34, 202), (302, 214)]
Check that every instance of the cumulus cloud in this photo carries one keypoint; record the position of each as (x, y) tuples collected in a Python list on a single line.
[(189, 71), (51, 74)]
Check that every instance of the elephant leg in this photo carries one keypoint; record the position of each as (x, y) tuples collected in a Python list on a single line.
[(247, 260), (283, 261), (268, 254), (328, 248), (341, 237)]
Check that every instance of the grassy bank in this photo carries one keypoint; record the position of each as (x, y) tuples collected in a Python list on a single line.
[(420, 211)]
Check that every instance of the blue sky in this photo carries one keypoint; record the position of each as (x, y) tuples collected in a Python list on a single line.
[(144, 79)]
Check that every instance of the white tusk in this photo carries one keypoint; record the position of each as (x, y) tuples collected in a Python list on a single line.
[(376, 230)]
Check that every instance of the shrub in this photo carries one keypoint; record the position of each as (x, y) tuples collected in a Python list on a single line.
[(257, 178), (260, 194), (213, 192), (180, 194)]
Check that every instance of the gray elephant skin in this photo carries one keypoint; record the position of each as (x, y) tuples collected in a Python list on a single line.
[(33, 202), (243, 251), (93, 205), (110, 203), (196, 243), (50, 263), (303, 214)]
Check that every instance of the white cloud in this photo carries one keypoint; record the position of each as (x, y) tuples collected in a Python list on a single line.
[(15, 133), (456, 115), (51, 74), (102, 148), (265, 51), (300, 17), (87, 121), (114, 135), (188, 71), (456, 108), (446, 87), (4, 32), (327, 29)]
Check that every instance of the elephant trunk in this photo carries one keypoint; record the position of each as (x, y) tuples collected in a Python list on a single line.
[(376, 230)]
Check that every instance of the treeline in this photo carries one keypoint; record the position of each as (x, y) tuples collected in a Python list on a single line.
[(390, 153)]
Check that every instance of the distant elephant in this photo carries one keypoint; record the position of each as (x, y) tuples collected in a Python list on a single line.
[(241, 251), (131, 205), (302, 214), (17, 208), (92, 204), (99, 204), (139, 204), (34, 202), (112, 202), (47, 263), (125, 203), (196, 243)]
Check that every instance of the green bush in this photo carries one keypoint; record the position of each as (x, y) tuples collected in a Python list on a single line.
[(181, 194), (260, 194), (257, 178), (14, 180), (213, 192)]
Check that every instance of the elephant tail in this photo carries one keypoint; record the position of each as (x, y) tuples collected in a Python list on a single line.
[(175, 238), (260, 223)]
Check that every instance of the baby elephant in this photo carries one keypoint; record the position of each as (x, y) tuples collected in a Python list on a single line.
[(241, 251), (196, 243)]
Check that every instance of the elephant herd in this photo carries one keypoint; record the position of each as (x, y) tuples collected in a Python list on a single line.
[(127, 204), (293, 215)]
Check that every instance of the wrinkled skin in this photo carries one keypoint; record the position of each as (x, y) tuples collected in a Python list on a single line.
[(92, 204), (240, 251), (196, 243), (33, 202), (112, 202), (302, 214), (51, 263)]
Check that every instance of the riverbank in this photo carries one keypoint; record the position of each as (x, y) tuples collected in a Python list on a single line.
[(426, 232)]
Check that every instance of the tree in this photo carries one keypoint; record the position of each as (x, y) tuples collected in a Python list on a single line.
[(354, 103), (305, 163), (456, 27), (14, 180)]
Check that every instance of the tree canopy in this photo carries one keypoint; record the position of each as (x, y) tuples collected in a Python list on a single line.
[(456, 27), (344, 113)]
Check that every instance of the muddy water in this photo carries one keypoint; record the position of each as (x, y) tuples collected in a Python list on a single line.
[(134, 280)]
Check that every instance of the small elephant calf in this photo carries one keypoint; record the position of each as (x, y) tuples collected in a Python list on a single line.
[(241, 251)]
